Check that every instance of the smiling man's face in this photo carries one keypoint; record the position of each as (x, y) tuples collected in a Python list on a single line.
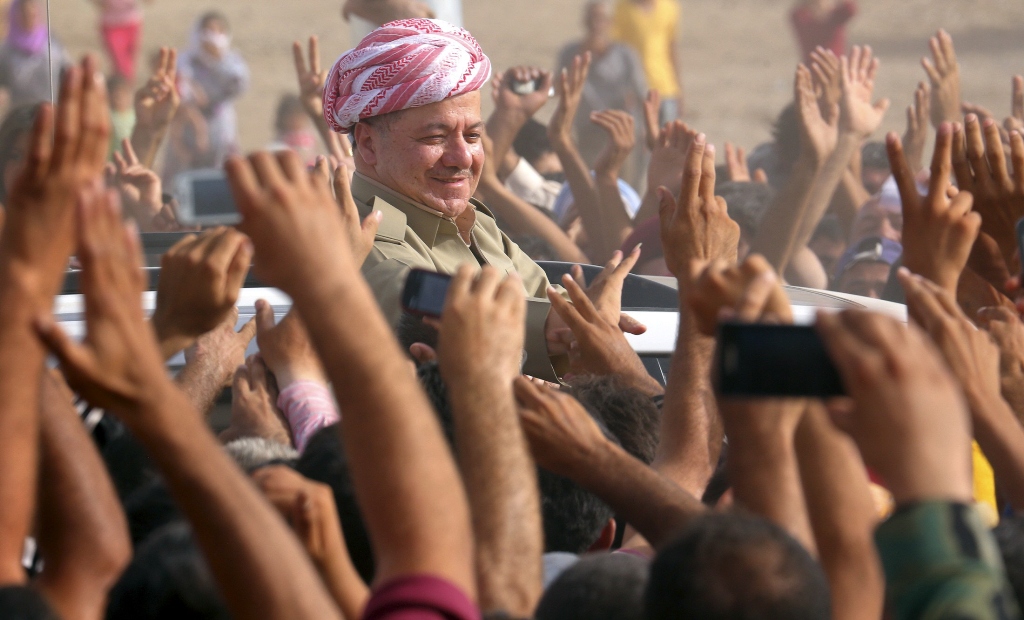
[(432, 154)]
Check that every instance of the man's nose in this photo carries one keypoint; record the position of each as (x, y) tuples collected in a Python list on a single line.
[(458, 153)]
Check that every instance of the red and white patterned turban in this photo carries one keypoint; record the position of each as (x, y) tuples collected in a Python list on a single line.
[(403, 64)]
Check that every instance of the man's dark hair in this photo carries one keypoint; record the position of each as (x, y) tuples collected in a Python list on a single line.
[(786, 133), (748, 202), (127, 461), (289, 105), (532, 141), (1010, 538), (735, 566), (150, 509), (626, 412), (214, 16), (608, 586), (25, 603), (324, 460), (412, 329), (16, 124), (828, 228), (168, 579)]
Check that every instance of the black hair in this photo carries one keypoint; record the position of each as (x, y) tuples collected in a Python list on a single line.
[(324, 460), (747, 202), (149, 509), (168, 579), (532, 141), (829, 228), (16, 124), (735, 566), (626, 412), (214, 16), (1009, 536), (607, 586), (874, 155), (411, 329), (127, 461), (288, 106), (786, 133), (25, 603)]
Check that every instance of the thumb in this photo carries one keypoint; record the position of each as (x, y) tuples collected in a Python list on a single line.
[(422, 353), (630, 325), (265, 320)]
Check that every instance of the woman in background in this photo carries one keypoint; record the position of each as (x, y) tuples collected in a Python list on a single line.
[(25, 56)]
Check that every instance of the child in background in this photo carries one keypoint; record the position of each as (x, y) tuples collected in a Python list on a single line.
[(120, 25), (122, 110), (822, 23), (293, 130)]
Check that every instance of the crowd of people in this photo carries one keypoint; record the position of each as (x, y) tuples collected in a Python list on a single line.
[(511, 457)]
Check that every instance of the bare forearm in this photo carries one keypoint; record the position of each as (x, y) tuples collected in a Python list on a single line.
[(146, 143), (824, 187), (201, 384), (842, 515), (617, 224), (777, 235), (1001, 439), (650, 502), (501, 483), (258, 564), (83, 533), (851, 196), (522, 218), (346, 586), (584, 191), (502, 128), (685, 453), (392, 438), (21, 364)]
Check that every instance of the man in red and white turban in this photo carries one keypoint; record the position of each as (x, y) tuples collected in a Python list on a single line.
[(409, 94)]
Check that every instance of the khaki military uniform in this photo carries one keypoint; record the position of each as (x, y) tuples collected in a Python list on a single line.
[(414, 236)]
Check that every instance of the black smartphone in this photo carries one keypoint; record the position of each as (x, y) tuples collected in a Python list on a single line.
[(1020, 241), (424, 292), (757, 360)]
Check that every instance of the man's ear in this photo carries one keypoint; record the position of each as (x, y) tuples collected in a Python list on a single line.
[(606, 539), (366, 143)]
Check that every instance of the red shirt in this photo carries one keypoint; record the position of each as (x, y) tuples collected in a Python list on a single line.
[(420, 597), (828, 31)]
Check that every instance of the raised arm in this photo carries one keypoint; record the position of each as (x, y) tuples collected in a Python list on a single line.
[(37, 239), (480, 348), (405, 478), (944, 74), (616, 221), (82, 531), (695, 230), (311, 80), (259, 567), (156, 102), (567, 441), (211, 362), (512, 110)]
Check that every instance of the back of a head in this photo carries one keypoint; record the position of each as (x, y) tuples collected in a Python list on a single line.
[(736, 567), (168, 579), (626, 412), (25, 603), (532, 141), (609, 586), (748, 201), (324, 461), (1010, 538)]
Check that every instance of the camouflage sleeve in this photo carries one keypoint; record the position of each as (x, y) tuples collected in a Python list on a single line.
[(941, 561)]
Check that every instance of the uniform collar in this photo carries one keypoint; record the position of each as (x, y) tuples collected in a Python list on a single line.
[(400, 211)]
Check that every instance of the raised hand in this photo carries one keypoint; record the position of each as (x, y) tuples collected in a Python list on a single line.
[(696, 228), (118, 365), (292, 218), (222, 350), (818, 131), (570, 90), (857, 114), (736, 163), (910, 419), (748, 292), (605, 292), (561, 433), (944, 74), (528, 104), (156, 103), (200, 279), (39, 231), (596, 344), (286, 348), (311, 77), (361, 233), (621, 139), (979, 162), (916, 135), (1016, 118), (1006, 329), (828, 81), (668, 156), (140, 188), (254, 411), (938, 229)]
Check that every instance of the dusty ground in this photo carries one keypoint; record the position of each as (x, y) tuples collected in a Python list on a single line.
[(738, 55)]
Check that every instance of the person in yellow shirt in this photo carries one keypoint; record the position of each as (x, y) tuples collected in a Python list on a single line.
[(650, 27)]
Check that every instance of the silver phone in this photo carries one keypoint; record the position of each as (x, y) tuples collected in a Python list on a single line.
[(204, 198)]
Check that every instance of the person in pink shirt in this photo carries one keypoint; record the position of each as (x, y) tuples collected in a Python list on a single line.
[(120, 26), (822, 23)]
